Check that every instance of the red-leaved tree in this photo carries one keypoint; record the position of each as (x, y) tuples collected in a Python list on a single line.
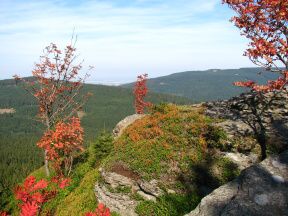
[(33, 194), (265, 24), (62, 144), (100, 211), (56, 85), (140, 91)]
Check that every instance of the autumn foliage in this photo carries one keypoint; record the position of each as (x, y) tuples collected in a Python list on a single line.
[(33, 194), (100, 211), (140, 91), (56, 85), (62, 143), (264, 23)]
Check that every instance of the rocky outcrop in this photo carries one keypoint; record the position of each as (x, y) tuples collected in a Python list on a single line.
[(110, 190), (119, 203), (120, 127), (241, 160), (243, 113), (261, 189)]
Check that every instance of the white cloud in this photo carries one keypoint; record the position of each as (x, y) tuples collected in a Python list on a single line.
[(121, 41)]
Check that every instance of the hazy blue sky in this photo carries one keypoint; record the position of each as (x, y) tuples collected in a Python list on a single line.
[(122, 38)]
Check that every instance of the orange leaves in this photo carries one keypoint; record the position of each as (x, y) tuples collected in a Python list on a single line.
[(148, 128), (271, 85), (64, 183), (100, 211), (140, 91), (63, 142), (57, 83), (29, 209), (264, 23), (30, 190), (32, 194), (248, 84)]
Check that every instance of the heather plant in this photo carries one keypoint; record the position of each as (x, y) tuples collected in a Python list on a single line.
[(168, 135)]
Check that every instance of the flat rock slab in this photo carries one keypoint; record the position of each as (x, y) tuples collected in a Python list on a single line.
[(261, 189)]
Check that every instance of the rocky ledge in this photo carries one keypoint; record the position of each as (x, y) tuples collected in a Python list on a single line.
[(261, 189), (117, 187), (241, 114)]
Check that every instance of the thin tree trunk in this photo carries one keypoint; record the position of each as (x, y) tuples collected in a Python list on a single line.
[(45, 151), (46, 164), (71, 164), (262, 142)]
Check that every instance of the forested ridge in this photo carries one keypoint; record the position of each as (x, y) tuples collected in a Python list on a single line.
[(207, 85)]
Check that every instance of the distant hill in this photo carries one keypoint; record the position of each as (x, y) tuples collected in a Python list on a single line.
[(206, 85), (19, 130)]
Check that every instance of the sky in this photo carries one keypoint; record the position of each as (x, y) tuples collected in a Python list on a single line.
[(122, 38)]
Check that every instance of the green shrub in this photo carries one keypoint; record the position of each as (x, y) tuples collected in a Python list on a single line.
[(161, 108), (228, 170), (168, 205), (100, 149), (217, 138)]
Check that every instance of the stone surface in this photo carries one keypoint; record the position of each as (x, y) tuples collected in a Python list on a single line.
[(150, 187), (261, 189), (243, 161), (240, 118), (120, 127), (147, 196), (115, 180), (119, 202)]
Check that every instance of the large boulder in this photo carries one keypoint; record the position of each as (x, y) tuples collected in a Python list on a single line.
[(123, 124), (261, 189)]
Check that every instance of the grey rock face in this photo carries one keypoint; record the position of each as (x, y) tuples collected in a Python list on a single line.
[(116, 202), (261, 189), (115, 180), (243, 161), (150, 187), (120, 127), (239, 113), (123, 203)]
